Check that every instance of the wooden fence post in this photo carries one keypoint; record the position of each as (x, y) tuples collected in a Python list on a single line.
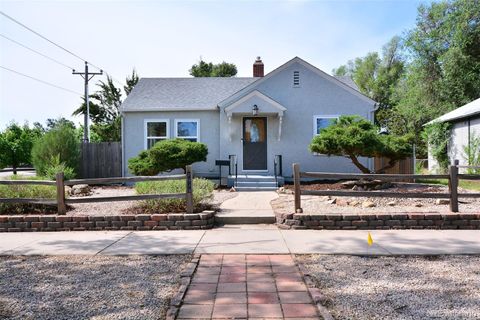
[(453, 186), (61, 207), (297, 192), (189, 193)]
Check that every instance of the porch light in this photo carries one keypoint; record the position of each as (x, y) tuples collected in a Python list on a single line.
[(255, 110)]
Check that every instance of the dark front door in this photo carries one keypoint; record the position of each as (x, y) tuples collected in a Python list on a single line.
[(254, 143)]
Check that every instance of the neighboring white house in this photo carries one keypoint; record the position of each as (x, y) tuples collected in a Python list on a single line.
[(465, 125), (253, 119)]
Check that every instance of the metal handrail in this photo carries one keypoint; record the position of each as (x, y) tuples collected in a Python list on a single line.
[(235, 166), (277, 162)]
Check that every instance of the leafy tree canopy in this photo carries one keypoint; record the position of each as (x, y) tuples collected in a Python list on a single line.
[(167, 155), (208, 69), (16, 143), (354, 137)]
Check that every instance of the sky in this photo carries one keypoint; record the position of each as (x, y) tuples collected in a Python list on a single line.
[(164, 39)]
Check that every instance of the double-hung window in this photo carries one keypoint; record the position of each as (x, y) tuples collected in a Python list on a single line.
[(321, 122), (188, 129), (155, 130)]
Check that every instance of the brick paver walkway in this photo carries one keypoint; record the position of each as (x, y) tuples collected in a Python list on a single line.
[(247, 287)]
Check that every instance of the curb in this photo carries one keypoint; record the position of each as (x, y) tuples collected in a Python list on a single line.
[(185, 279)]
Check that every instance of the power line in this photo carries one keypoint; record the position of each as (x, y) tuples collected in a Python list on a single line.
[(39, 53), (41, 36), (39, 80), (55, 44)]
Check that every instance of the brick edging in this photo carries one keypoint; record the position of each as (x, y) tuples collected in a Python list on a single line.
[(185, 279), (170, 221), (379, 221), (318, 298)]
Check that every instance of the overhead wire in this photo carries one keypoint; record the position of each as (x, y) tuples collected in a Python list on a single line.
[(57, 45), (37, 52), (42, 81)]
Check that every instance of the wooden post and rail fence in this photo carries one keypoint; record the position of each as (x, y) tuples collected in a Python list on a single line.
[(61, 201), (453, 177)]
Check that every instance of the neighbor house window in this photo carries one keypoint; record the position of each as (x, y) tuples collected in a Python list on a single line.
[(187, 129), (155, 130), (321, 122)]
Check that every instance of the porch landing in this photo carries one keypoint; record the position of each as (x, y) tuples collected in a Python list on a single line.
[(247, 208), (255, 182)]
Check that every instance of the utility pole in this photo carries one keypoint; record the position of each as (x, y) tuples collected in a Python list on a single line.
[(87, 76)]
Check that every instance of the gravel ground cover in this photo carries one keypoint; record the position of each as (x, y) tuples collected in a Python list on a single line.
[(126, 207), (413, 287), (352, 205), (88, 287)]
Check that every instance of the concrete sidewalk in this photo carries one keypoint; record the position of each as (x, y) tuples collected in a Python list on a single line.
[(242, 239)]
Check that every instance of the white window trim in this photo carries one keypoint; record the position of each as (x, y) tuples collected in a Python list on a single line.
[(145, 130), (319, 116), (188, 120)]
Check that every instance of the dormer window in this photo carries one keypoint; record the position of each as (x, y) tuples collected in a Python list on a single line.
[(296, 79)]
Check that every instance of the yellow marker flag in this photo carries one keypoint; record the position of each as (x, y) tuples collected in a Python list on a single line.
[(369, 239)]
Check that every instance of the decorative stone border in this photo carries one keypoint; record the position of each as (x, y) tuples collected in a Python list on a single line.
[(170, 221), (185, 279), (379, 221)]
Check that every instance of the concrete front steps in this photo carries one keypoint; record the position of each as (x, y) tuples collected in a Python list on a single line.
[(247, 208), (255, 183), (228, 217)]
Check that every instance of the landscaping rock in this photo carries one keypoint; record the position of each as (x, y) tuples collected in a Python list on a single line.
[(418, 205), (368, 204), (353, 203), (442, 201), (392, 203), (81, 190)]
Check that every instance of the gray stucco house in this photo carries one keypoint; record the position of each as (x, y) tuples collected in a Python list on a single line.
[(254, 120), (465, 125)]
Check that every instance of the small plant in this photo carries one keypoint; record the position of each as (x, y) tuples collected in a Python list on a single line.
[(55, 166), (26, 191), (471, 153), (202, 191), (167, 155)]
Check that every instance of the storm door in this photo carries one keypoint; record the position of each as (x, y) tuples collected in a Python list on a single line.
[(255, 143)]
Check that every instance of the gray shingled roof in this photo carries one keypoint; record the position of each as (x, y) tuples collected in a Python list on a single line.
[(152, 94), (183, 93), (348, 81)]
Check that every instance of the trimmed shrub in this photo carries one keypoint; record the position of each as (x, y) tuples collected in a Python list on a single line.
[(202, 191), (26, 191), (167, 155), (59, 142)]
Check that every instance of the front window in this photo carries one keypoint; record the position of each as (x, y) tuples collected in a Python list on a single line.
[(321, 122), (156, 130), (187, 129)]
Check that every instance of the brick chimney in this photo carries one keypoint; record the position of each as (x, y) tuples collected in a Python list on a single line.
[(258, 68)]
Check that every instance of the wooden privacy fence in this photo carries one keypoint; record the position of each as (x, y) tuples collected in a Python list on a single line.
[(453, 177), (100, 160), (61, 201)]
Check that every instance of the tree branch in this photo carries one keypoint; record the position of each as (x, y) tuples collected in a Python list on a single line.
[(390, 164), (358, 164)]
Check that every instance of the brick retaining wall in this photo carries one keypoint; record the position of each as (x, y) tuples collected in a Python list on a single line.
[(171, 221), (379, 221)]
